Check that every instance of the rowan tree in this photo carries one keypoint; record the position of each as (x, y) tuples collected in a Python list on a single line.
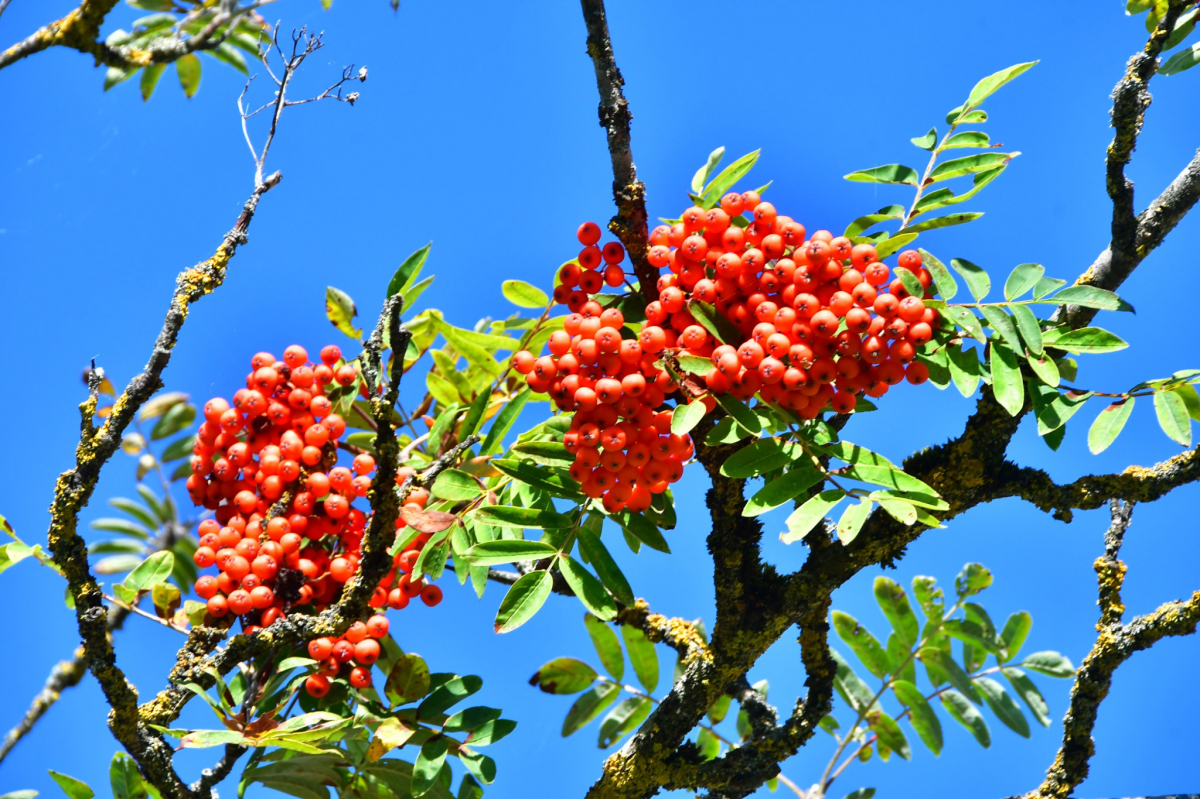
[(285, 523)]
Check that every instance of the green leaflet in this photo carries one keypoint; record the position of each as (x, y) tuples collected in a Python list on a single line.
[(524, 599), (946, 285), (1022, 278), (1007, 383), (788, 486), (865, 646), (921, 715), (642, 655), (524, 295), (727, 177), (1108, 425), (988, 86), (977, 279), (340, 311), (804, 518), (608, 647), (1173, 417), (967, 715), (590, 591), (890, 173), (1000, 703), (564, 676), (895, 606), (1029, 693), (588, 706), (703, 173)]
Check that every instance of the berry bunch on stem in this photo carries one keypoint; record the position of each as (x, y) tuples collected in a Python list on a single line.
[(819, 320), (285, 534)]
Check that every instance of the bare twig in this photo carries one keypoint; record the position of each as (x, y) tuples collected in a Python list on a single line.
[(304, 44)]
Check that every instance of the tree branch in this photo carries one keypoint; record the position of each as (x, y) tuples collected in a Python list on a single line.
[(1133, 238), (1135, 484), (80, 30), (631, 224), (75, 487), (1115, 644)]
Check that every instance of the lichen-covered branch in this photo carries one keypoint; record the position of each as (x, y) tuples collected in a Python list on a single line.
[(80, 30), (631, 224), (1136, 236), (1115, 643), (1135, 484), (679, 634), (75, 487)]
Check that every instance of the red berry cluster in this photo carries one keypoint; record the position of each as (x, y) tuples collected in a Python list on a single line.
[(280, 437), (624, 449), (821, 321)]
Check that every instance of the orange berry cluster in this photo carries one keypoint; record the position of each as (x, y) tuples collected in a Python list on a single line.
[(624, 450), (821, 321), (280, 438)]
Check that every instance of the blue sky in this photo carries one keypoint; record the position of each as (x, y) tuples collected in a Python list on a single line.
[(477, 130)]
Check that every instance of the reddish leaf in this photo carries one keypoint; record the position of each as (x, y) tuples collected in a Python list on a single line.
[(427, 521)]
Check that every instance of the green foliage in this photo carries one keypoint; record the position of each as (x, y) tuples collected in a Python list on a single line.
[(963, 685)]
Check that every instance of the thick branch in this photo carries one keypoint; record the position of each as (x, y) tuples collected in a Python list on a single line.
[(1115, 643), (630, 225)]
